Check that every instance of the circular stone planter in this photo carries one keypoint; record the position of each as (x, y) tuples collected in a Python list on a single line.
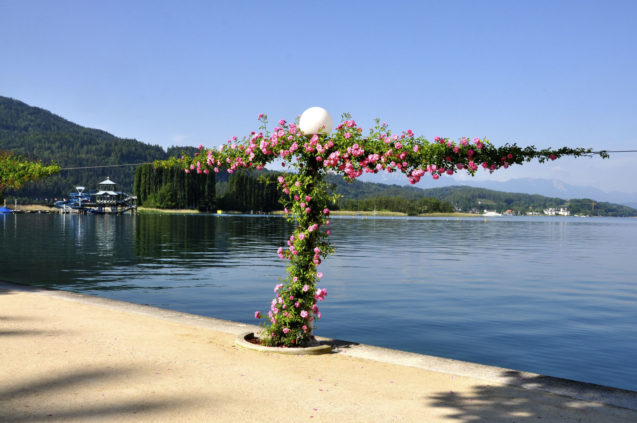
[(243, 341)]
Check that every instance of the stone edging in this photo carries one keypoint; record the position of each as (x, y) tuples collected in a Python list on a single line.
[(315, 350)]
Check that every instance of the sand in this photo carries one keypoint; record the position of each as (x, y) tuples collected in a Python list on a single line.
[(63, 359)]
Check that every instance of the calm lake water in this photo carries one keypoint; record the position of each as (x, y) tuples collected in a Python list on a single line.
[(556, 296)]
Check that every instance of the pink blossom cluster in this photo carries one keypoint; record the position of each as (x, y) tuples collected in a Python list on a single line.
[(351, 154)]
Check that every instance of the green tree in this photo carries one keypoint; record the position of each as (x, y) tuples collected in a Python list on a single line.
[(168, 188), (15, 171)]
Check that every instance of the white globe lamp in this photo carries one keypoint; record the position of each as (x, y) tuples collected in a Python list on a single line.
[(315, 120)]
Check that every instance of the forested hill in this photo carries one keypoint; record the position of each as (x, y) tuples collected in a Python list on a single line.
[(36, 133), (480, 199), (470, 199)]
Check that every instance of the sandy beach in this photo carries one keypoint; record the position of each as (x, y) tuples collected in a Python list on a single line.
[(73, 358)]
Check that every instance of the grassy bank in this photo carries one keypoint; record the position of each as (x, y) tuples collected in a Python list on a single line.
[(33, 208), (150, 210), (397, 214), (382, 213), (385, 213)]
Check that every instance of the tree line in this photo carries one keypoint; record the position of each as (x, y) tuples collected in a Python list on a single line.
[(172, 188), (476, 200), (398, 204), (245, 191), (257, 191)]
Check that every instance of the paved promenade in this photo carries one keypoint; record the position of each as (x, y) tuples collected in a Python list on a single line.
[(72, 358)]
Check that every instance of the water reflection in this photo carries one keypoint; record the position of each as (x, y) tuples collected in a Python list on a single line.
[(208, 240)]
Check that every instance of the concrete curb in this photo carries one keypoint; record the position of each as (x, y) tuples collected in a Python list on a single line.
[(531, 381), (243, 341)]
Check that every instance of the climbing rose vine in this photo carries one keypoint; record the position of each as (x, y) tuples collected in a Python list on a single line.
[(347, 151)]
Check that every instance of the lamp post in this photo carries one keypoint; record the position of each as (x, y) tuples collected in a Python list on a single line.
[(80, 190)]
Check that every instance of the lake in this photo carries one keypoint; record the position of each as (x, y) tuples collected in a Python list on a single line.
[(556, 296)]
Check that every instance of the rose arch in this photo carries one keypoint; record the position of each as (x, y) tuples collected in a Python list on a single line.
[(312, 150)]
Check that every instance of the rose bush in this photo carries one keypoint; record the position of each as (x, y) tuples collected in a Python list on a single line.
[(347, 151)]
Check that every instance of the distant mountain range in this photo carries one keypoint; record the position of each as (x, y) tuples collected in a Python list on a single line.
[(557, 188), (472, 199), (545, 187)]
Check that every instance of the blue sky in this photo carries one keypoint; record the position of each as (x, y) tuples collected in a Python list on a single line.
[(544, 73)]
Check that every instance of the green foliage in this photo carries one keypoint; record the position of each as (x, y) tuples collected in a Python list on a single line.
[(356, 190), (16, 171), (165, 198), (477, 199), (399, 204), (247, 191), (170, 187), (589, 207)]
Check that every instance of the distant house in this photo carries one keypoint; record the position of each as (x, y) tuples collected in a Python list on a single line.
[(108, 194), (562, 211)]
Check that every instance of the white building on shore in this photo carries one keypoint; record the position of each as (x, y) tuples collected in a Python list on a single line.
[(562, 211)]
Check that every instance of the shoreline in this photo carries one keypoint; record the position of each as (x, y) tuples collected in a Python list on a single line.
[(188, 355), (38, 208)]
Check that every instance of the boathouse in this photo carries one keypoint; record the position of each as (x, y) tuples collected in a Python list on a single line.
[(108, 194)]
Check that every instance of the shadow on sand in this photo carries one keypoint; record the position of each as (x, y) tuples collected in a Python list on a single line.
[(47, 399), (536, 398)]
